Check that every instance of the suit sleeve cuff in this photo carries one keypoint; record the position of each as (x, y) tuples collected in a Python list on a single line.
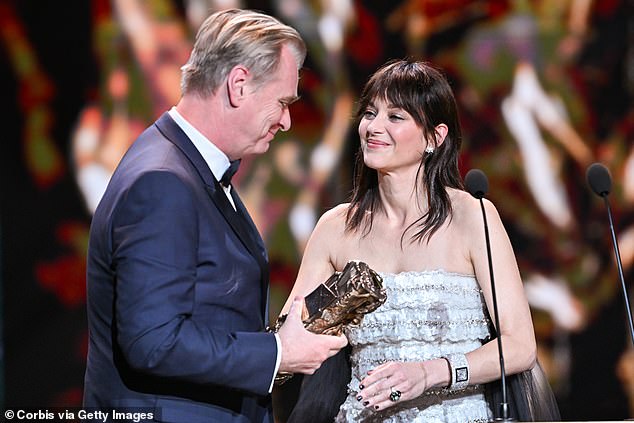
[(278, 360)]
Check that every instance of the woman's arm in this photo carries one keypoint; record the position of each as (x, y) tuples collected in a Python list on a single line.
[(317, 262), (516, 326)]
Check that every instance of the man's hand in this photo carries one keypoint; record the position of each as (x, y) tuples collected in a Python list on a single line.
[(303, 351)]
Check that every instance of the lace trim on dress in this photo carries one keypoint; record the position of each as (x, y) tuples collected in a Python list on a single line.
[(430, 272), (433, 323)]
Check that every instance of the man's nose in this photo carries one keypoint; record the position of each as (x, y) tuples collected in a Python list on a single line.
[(285, 120)]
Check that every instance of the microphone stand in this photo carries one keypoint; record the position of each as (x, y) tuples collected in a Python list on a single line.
[(504, 406), (617, 254)]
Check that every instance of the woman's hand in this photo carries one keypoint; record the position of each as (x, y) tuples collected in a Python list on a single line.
[(388, 379)]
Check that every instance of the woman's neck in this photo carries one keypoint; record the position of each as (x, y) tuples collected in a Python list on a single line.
[(401, 202)]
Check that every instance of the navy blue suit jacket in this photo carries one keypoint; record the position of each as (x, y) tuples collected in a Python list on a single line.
[(177, 291)]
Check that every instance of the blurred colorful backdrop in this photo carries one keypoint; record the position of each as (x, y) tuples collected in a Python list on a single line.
[(544, 87)]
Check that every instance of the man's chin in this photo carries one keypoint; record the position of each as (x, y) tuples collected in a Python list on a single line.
[(266, 143), (260, 148)]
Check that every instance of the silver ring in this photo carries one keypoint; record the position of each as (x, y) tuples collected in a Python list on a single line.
[(395, 395)]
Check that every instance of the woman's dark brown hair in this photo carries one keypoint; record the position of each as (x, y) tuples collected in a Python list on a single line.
[(425, 94)]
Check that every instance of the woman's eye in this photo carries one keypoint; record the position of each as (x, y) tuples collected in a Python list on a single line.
[(396, 117), (368, 114)]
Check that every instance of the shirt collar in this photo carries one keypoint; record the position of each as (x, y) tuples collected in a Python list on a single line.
[(217, 161)]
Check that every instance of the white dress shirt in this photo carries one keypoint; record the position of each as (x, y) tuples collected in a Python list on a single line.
[(217, 161)]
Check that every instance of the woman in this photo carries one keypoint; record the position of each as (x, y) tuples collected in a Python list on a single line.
[(425, 354)]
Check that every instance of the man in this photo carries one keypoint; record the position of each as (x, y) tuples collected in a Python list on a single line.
[(177, 272)]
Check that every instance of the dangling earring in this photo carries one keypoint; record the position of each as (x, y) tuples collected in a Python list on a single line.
[(429, 149)]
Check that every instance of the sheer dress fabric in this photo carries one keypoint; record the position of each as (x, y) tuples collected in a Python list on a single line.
[(427, 315)]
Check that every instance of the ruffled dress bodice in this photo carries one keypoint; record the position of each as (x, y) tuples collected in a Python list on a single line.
[(426, 315)]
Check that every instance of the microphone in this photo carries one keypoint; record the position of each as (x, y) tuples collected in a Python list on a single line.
[(598, 178), (477, 184)]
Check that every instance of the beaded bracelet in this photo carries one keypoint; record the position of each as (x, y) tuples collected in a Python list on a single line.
[(459, 367)]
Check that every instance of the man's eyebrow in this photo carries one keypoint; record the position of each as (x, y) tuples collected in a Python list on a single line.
[(290, 100)]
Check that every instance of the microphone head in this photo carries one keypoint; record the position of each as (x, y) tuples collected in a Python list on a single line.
[(476, 183), (599, 179)]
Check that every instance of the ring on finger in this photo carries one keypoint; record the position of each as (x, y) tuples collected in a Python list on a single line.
[(395, 395)]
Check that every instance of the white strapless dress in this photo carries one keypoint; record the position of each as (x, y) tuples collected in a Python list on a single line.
[(426, 315)]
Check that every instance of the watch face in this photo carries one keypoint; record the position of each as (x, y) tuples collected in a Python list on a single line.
[(462, 374)]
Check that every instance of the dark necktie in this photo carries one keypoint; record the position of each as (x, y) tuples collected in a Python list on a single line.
[(225, 181)]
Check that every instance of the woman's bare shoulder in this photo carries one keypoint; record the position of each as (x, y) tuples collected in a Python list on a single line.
[(333, 221), (463, 205), (467, 210), (327, 242), (338, 212)]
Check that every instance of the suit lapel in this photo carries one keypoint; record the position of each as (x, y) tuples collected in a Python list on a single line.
[(244, 215), (239, 221), (176, 136)]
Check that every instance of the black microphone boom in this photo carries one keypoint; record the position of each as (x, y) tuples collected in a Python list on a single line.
[(477, 184), (598, 178)]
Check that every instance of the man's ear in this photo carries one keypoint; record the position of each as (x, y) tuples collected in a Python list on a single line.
[(236, 85), (440, 132)]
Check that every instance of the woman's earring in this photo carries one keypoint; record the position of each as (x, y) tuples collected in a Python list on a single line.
[(429, 149)]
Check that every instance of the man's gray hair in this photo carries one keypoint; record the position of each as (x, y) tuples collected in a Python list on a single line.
[(237, 37)]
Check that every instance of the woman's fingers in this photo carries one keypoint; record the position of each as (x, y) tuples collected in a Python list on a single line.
[(390, 384)]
